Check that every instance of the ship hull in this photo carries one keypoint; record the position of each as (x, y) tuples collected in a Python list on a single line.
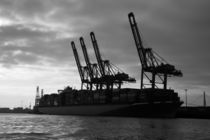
[(155, 109)]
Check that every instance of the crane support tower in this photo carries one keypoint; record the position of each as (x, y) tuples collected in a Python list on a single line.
[(154, 69)]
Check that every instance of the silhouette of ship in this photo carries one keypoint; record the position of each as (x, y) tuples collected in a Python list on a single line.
[(101, 92)]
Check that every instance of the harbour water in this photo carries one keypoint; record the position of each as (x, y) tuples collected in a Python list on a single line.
[(41, 127)]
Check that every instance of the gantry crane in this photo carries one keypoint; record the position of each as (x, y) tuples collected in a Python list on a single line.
[(106, 78), (93, 71), (110, 74), (83, 71), (153, 66)]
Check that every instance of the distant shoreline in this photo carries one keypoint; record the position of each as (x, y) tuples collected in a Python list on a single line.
[(15, 110)]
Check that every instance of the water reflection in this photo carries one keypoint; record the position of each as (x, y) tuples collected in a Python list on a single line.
[(19, 126)]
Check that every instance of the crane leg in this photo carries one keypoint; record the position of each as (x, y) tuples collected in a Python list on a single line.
[(165, 81), (153, 80), (142, 78)]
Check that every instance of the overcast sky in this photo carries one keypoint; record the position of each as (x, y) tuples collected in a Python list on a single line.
[(35, 40)]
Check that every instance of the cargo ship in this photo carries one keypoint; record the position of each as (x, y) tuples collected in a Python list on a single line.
[(101, 90), (126, 102)]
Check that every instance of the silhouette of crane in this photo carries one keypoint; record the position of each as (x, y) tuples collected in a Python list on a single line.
[(93, 71), (110, 74), (153, 66), (83, 71)]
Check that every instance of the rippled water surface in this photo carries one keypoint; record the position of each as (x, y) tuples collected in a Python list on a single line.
[(41, 127)]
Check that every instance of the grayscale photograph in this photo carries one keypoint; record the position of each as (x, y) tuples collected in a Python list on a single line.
[(104, 70)]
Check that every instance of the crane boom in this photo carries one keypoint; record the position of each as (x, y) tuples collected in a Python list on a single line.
[(76, 56), (87, 60), (97, 52), (137, 39)]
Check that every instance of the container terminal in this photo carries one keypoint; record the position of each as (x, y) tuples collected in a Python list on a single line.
[(101, 90)]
